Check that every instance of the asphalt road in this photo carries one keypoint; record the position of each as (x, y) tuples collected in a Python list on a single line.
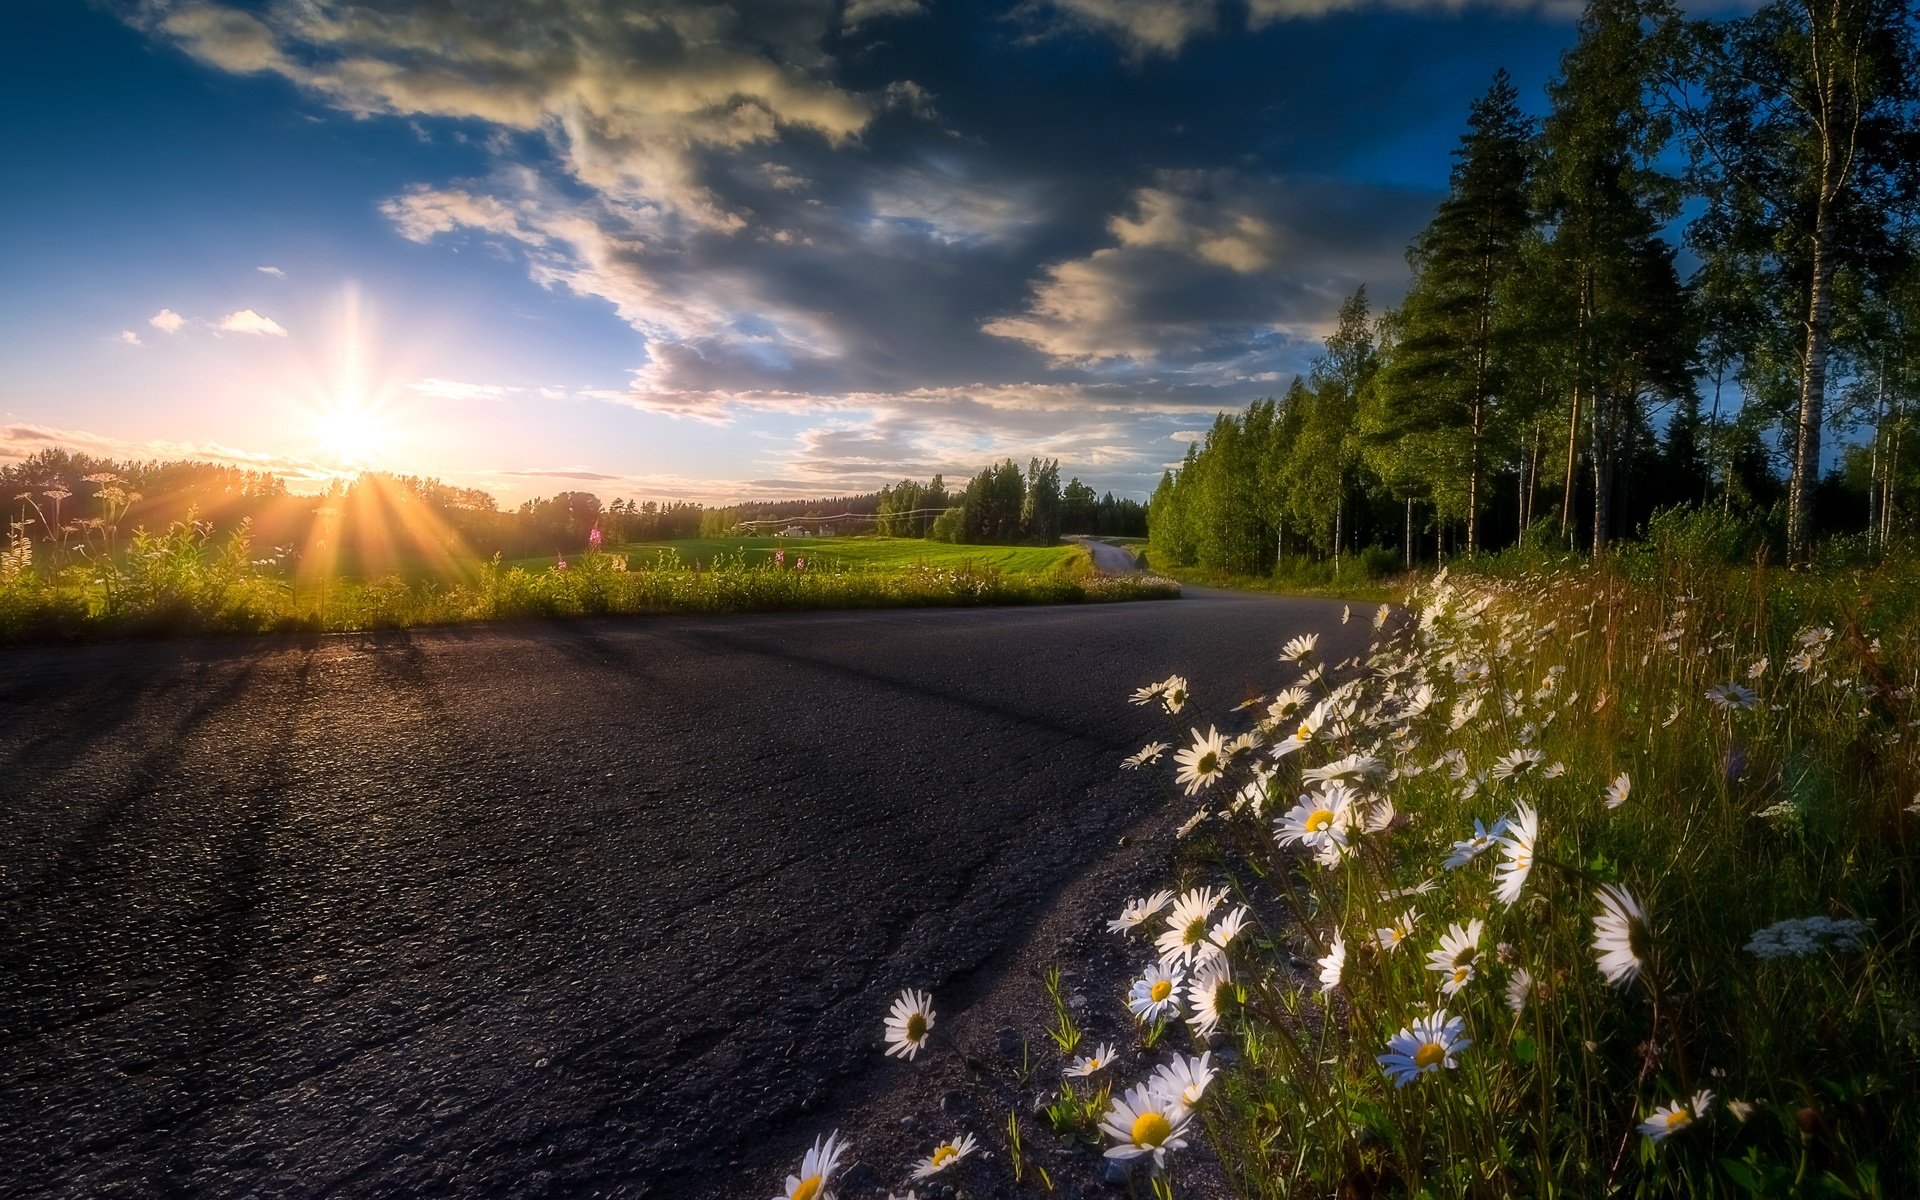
[(600, 908)]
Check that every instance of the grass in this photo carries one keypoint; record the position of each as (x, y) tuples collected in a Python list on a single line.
[(183, 581), (835, 553), (1536, 692)]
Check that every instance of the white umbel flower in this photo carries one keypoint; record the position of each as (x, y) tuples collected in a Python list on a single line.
[(1619, 933), (908, 1023)]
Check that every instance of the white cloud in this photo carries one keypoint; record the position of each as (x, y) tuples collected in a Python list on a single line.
[(129, 337), (1145, 26), (167, 321), (1187, 435), (248, 321), (859, 12), (276, 272), (452, 389)]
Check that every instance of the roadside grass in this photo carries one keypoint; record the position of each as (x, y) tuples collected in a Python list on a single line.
[(1732, 749), (183, 581), (886, 553), (1351, 584)]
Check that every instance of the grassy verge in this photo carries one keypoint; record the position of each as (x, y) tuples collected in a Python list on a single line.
[(178, 582), (835, 553), (1679, 960), (1354, 585)]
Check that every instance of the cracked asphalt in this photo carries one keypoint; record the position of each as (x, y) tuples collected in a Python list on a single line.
[(602, 908)]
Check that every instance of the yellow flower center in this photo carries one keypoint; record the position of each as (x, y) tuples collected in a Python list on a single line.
[(945, 1154), (1429, 1055), (1161, 989), (1196, 932), (916, 1027), (1320, 819), (1151, 1129), (809, 1188), (1303, 733), (1190, 1094), (1462, 974), (1678, 1117)]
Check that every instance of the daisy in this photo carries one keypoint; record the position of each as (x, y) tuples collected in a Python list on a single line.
[(1729, 696), (945, 1155), (1156, 994), (1483, 839), (816, 1171), (1518, 764), (1300, 649), (1333, 963), (1304, 733), (909, 1022), (1346, 614), (1670, 1119), (1287, 705), (1186, 930), (1516, 848), (1317, 820), (1619, 790), (1227, 929), (1143, 1124), (1519, 989), (1183, 1080), (1173, 697), (1250, 740), (1353, 769), (1380, 617), (1620, 924), (1202, 763), (1138, 911), (1428, 1045), (1151, 691), (1459, 947), (1390, 937), (1203, 994), (1086, 1065), (1148, 753)]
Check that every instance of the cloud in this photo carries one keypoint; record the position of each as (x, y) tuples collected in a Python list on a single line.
[(167, 321), (248, 321), (129, 337), (1187, 435), (859, 12), (449, 389), (1144, 26), (276, 272), (22, 440)]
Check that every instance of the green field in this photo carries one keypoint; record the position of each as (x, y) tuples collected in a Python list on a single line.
[(836, 553)]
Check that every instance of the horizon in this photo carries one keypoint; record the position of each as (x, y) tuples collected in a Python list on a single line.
[(813, 255)]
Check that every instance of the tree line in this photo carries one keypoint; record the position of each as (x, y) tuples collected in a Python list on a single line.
[(1550, 374)]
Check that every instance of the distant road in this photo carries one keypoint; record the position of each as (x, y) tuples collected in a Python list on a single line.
[(602, 908), (1110, 558)]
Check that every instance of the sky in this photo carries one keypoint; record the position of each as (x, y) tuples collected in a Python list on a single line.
[(766, 249)]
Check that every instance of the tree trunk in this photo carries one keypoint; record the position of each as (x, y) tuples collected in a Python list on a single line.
[(1573, 465), (1873, 474), (1813, 398), (1602, 454), (1408, 543)]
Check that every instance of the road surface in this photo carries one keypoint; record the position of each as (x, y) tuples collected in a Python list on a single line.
[(600, 908)]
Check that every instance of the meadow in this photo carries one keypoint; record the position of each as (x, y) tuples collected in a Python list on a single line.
[(850, 553)]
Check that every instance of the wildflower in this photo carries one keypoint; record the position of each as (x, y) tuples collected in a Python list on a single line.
[(1758, 668), (1390, 937), (1300, 649), (1183, 1080), (1801, 936), (1173, 697), (1144, 1124), (1304, 733), (1227, 929), (1350, 770), (1516, 847), (1469, 672), (1346, 614), (1203, 763), (1191, 823), (1148, 753), (1287, 705), (1619, 790), (1741, 1110), (1334, 962), (1459, 947), (1151, 691), (1317, 820), (1186, 930), (908, 1023), (1519, 989), (1156, 994), (1250, 740), (816, 1171), (1101, 1058), (1380, 617), (1518, 764), (1670, 1119), (1729, 696), (1483, 839), (1428, 1045), (945, 1155), (1620, 924), (1138, 911), (1203, 994)]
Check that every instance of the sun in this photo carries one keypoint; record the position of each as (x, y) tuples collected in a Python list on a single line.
[(352, 434)]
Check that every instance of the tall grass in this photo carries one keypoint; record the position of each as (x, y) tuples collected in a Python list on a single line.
[(1794, 1055)]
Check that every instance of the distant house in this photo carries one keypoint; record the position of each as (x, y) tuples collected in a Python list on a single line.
[(795, 531)]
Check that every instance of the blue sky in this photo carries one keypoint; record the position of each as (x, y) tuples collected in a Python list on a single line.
[(685, 250)]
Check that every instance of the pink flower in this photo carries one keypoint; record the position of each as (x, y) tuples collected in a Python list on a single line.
[(593, 538), (560, 563), (800, 564), (779, 558)]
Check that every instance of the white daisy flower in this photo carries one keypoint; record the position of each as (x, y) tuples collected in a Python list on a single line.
[(1203, 994), (1182, 1080), (1227, 929), (1483, 839), (1248, 741), (945, 1155), (1346, 614), (1518, 764), (1148, 753), (1619, 790), (1516, 849), (1138, 911), (1288, 705), (1087, 1064), (1300, 649), (1519, 989), (1151, 691), (1380, 617), (1455, 959), (1352, 769), (816, 1171), (1333, 963), (1173, 697), (1156, 994), (1730, 696), (1426, 1046), (1144, 1125), (1304, 733), (1670, 1119), (1318, 819), (1741, 1110), (1203, 763), (1619, 934), (1186, 931), (908, 1023), (1390, 937)]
